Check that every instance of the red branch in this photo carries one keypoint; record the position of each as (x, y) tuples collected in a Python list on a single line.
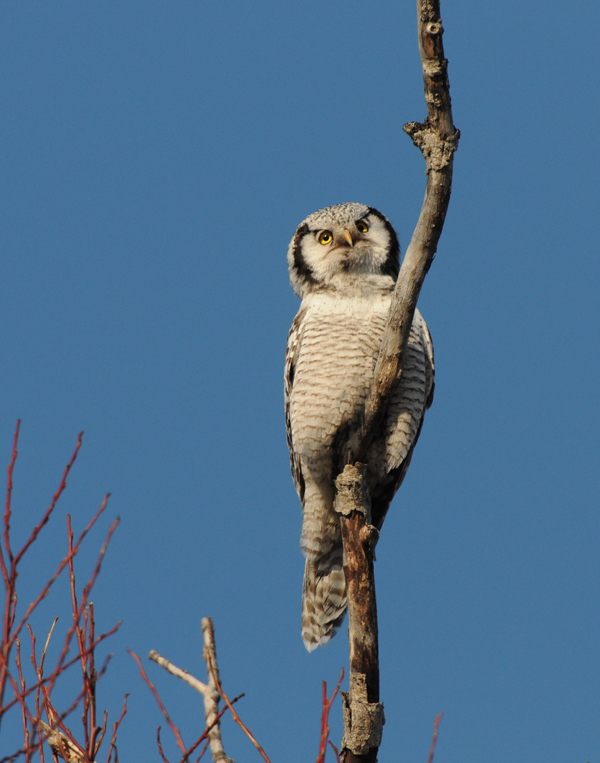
[(436, 725), (113, 741), (82, 630), (7, 510), (50, 509), (229, 704), (325, 717), (207, 729), (160, 749), (154, 691)]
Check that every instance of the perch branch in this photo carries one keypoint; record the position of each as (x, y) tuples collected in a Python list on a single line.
[(437, 140)]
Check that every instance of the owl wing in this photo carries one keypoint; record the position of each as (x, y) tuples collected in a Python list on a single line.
[(291, 357), (405, 417), (429, 362)]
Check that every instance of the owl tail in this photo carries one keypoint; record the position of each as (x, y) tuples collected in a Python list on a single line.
[(323, 599)]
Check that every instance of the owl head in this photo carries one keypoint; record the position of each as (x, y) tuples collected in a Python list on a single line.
[(342, 242)]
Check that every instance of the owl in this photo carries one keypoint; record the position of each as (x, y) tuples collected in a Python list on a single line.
[(343, 263)]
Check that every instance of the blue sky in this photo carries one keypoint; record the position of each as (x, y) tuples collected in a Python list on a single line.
[(156, 159)]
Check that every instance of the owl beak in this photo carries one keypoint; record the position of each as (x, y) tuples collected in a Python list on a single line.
[(348, 237)]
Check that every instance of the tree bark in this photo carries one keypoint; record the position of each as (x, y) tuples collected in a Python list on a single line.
[(437, 139)]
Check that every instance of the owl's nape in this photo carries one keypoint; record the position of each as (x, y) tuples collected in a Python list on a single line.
[(343, 263)]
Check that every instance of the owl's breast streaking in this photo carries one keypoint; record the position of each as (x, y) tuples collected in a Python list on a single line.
[(340, 337)]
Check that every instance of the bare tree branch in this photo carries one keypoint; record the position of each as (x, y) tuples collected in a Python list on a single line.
[(175, 671), (437, 139), (212, 732), (211, 695)]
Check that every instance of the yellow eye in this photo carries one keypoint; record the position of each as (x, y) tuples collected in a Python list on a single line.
[(362, 226), (325, 237)]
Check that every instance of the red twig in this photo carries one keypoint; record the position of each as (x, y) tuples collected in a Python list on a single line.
[(71, 631), (24, 708), (113, 740), (204, 749), (10, 578), (436, 725), (82, 629), (59, 569), (204, 735), (64, 734), (335, 750), (160, 749), (9, 570), (54, 675), (7, 510), (325, 717), (49, 510), (236, 717), (154, 691)]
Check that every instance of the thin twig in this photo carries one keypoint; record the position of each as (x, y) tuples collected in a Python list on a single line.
[(54, 675), (436, 725), (50, 509), (163, 709), (202, 688), (60, 568), (335, 750), (227, 701), (10, 578), (7, 509), (113, 740), (204, 749), (205, 733), (325, 717), (71, 631), (160, 749)]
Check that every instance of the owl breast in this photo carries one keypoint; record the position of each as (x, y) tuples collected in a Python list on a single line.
[(338, 347), (334, 368)]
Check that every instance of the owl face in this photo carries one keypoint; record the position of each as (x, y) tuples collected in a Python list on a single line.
[(342, 242)]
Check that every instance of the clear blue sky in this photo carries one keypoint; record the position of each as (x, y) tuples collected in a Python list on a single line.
[(156, 159)]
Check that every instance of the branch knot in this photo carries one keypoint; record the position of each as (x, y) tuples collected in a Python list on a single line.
[(352, 493), (437, 151)]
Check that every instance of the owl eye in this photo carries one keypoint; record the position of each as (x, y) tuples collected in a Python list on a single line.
[(362, 226), (325, 237)]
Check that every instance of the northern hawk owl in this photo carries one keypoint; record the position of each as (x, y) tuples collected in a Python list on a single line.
[(343, 263)]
